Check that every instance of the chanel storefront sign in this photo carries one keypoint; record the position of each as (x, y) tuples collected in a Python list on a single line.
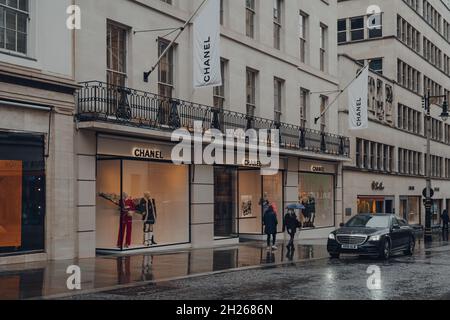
[(148, 153), (316, 168)]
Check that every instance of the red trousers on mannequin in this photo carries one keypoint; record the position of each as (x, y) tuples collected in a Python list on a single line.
[(126, 224)]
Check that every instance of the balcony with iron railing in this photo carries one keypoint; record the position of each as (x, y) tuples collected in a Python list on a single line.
[(98, 101)]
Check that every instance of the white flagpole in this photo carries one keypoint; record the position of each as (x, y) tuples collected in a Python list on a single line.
[(147, 74), (340, 93)]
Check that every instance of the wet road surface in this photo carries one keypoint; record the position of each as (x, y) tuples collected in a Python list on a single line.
[(426, 275)]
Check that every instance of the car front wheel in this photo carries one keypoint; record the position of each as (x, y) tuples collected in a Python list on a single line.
[(385, 253)]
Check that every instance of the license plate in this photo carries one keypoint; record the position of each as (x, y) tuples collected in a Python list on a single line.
[(350, 246)]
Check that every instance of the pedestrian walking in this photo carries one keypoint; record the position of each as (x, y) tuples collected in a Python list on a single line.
[(291, 224), (445, 220), (270, 222)]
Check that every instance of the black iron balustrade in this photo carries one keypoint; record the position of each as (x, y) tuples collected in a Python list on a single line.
[(98, 101)]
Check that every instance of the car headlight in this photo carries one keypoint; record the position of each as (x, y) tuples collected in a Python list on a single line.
[(332, 236), (375, 238)]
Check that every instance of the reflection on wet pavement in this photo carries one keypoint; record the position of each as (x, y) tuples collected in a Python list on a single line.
[(36, 280)]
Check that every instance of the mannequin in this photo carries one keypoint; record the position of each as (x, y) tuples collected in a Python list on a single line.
[(126, 221), (312, 206), (149, 216)]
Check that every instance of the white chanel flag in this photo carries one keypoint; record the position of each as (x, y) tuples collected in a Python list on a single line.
[(357, 101), (207, 71)]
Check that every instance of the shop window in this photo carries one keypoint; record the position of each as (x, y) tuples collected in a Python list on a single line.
[(436, 211), (163, 187), (22, 193), (410, 209), (316, 193), (252, 189)]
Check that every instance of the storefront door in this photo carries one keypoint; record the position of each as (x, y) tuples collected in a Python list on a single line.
[(224, 201)]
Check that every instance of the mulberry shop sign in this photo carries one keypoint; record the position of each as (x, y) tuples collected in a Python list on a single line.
[(148, 153)]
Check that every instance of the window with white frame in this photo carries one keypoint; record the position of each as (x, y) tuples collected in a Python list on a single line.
[(219, 91), (251, 91), (302, 24), (278, 99), (116, 40), (250, 12), (277, 24), (14, 17), (166, 69), (323, 47), (304, 106)]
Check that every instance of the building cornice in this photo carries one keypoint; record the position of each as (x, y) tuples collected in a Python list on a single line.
[(34, 78)]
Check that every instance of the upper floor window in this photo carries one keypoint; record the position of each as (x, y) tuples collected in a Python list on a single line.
[(323, 47), (342, 30), (251, 91), (221, 12), (357, 28), (167, 1), (116, 40), (250, 18), (277, 24), (278, 98), (323, 106), (14, 15), (377, 31), (165, 74), (302, 24), (376, 65), (304, 106), (219, 91)]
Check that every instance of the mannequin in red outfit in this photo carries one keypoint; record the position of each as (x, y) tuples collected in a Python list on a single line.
[(126, 221)]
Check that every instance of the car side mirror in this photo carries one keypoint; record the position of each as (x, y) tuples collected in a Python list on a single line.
[(396, 227), (342, 225)]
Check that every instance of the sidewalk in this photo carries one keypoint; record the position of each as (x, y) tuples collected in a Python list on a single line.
[(40, 280)]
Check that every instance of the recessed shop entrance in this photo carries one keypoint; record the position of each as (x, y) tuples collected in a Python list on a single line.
[(225, 184)]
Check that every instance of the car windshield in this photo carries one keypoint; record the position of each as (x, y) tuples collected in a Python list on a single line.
[(369, 222)]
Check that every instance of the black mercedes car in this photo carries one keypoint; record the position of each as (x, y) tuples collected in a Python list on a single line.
[(378, 235)]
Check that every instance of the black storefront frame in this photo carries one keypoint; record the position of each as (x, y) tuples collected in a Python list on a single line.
[(236, 209), (333, 175), (35, 138), (101, 157)]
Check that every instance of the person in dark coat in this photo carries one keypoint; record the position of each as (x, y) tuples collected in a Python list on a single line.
[(270, 222), (290, 225), (445, 219)]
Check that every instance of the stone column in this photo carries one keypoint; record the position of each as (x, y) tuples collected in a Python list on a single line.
[(202, 205), (86, 193), (61, 220), (292, 180)]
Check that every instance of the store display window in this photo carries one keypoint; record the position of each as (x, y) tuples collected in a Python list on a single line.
[(410, 209), (254, 190), (436, 211), (141, 204), (316, 194), (22, 193)]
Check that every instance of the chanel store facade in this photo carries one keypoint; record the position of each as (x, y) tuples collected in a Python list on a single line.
[(138, 199)]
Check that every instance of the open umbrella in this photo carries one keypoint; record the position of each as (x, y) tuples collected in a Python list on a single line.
[(296, 206)]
